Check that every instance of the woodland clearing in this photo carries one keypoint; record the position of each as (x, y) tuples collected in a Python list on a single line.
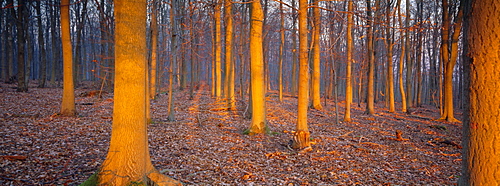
[(206, 144)]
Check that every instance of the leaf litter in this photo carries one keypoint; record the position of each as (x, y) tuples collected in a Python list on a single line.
[(206, 144)]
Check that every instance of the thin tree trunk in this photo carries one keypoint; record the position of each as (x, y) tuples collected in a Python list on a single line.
[(41, 40), (68, 98), (371, 63), (316, 56), (229, 80), (348, 92)]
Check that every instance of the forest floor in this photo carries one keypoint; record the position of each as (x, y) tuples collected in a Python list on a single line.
[(206, 144)]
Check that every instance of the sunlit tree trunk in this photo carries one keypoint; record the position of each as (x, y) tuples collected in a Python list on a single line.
[(390, 72), (281, 52), (370, 97), (258, 88), (301, 138), (409, 62), (128, 159), (229, 80), (348, 86), (401, 63), (449, 57), (481, 133), (316, 56), (68, 98), (218, 50), (154, 50)]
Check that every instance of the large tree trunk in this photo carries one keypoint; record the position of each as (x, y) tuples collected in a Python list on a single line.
[(128, 159), (481, 133), (68, 98), (258, 88), (348, 87), (301, 140)]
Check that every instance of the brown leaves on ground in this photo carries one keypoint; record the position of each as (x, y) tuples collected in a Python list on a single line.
[(205, 146)]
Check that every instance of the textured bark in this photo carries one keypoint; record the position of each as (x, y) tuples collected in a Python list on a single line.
[(481, 132), (128, 159), (258, 89), (348, 87), (68, 98)]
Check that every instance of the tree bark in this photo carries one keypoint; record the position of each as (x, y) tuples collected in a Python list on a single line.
[(229, 80), (348, 89), (128, 159), (258, 88), (301, 140), (68, 98), (316, 56), (481, 161)]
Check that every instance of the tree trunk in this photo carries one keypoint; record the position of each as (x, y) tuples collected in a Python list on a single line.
[(348, 89), (301, 140), (68, 98), (229, 80), (316, 56), (41, 41), (401, 64), (294, 51), (409, 62), (258, 88), (218, 50), (281, 53), (449, 56), (154, 52), (370, 99), (21, 62), (481, 161), (390, 64), (128, 159)]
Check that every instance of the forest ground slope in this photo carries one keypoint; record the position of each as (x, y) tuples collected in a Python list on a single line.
[(206, 144)]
